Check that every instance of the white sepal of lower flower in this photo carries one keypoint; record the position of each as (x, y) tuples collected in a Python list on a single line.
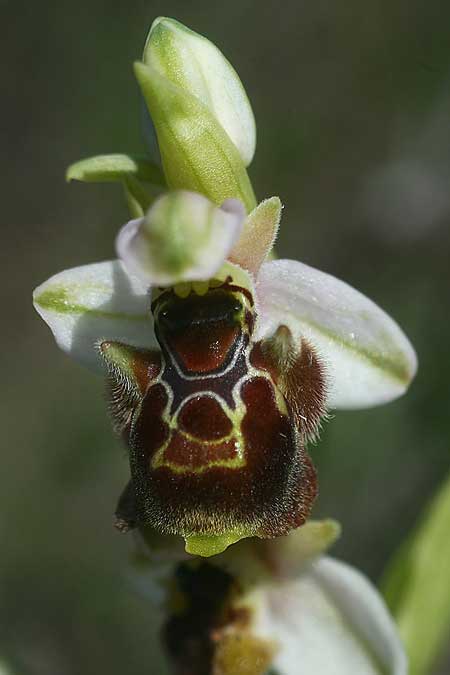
[(182, 237), (318, 615)]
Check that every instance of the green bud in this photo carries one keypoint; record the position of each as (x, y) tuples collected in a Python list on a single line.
[(194, 64), (197, 154)]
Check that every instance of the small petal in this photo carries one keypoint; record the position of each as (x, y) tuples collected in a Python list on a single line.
[(195, 64), (197, 154), (289, 555), (257, 561), (95, 302), (258, 235), (368, 358), (137, 195), (183, 237), (330, 620), (111, 168)]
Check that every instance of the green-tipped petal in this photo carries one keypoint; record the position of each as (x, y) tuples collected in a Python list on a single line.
[(197, 154), (114, 168), (194, 64), (290, 554)]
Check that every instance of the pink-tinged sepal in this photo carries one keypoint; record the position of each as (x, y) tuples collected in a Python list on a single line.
[(130, 372)]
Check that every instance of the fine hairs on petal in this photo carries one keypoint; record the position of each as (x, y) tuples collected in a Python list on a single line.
[(258, 235), (303, 379), (122, 391)]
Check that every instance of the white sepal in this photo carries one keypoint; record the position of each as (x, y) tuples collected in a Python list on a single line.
[(95, 302), (330, 621), (368, 358)]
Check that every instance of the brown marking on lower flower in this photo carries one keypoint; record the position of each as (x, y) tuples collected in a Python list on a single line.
[(207, 634), (188, 634)]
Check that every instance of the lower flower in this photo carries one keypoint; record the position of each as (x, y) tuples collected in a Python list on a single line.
[(278, 607)]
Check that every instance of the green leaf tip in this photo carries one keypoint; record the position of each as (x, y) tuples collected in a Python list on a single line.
[(416, 586)]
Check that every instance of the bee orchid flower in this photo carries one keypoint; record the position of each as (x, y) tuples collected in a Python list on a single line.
[(221, 365), (279, 606)]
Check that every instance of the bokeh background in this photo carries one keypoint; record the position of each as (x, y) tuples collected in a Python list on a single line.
[(352, 106)]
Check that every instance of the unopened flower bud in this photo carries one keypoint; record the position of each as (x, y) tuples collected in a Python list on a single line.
[(194, 64), (196, 152)]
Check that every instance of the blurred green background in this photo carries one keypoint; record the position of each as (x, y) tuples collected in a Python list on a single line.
[(352, 107)]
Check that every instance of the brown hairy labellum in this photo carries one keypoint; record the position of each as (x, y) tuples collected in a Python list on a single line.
[(216, 423)]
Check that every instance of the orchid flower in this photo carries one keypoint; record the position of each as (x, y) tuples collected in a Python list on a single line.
[(198, 331), (222, 363), (326, 345), (276, 606)]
